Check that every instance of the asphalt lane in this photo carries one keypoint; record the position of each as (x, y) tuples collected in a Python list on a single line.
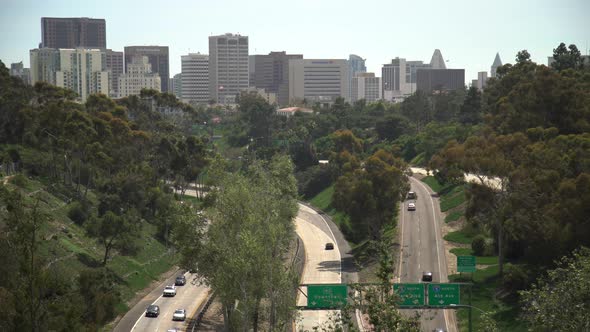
[(188, 297), (423, 250), (321, 266)]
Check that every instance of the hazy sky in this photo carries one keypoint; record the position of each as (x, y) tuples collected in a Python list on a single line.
[(468, 32)]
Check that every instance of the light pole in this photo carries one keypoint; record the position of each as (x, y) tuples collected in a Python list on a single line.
[(470, 307)]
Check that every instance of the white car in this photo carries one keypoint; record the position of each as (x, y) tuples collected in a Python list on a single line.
[(170, 290), (179, 314), (411, 207)]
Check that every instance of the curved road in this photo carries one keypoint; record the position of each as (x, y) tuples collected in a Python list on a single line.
[(423, 250)]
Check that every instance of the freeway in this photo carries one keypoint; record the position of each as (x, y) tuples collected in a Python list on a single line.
[(321, 266), (423, 250)]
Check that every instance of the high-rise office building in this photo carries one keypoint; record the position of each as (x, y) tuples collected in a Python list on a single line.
[(176, 86), (195, 78), (18, 70), (318, 80), (482, 79), (497, 63), (228, 67), (80, 70), (430, 80), (114, 63), (158, 58), (271, 73), (73, 32), (437, 61), (366, 86), (139, 76), (356, 64)]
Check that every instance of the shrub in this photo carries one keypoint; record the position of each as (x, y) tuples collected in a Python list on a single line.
[(78, 212), (19, 180), (478, 245), (515, 278)]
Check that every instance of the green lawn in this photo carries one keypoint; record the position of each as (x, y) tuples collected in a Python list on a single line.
[(454, 216), (459, 237), (433, 183), (485, 284), (453, 199)]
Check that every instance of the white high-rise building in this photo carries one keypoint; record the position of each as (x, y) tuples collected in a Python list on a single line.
[(80, 70), (318, 80), (497, 63), (437, 61), (228, 67), (366, 86), (195, 78), (176, 86), (138, 76)]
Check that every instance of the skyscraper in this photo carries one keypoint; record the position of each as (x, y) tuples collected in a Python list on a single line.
[(18, 70), (195, 78), (138, 76), (271, 73), (114, 64), (228, 67), (366, 86), (482, 78), (437, 61), (318, 80), (157, 58), (497, 63), (62, 32), (430, 80), (176, 86), (356, 65), (81, 70)]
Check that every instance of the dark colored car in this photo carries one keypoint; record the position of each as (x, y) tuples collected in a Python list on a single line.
[(152, 311), (412, 195), (180, 281), (427, 276), (329, 246)]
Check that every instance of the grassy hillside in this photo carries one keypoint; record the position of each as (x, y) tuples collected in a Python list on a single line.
[(67, 247)]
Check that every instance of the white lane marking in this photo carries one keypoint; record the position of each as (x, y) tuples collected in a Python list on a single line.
[(437, 244), (142, 315)]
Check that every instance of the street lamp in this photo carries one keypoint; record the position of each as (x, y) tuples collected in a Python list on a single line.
[(470, 307)]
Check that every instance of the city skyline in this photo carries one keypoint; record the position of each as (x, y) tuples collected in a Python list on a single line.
[(524, 25)]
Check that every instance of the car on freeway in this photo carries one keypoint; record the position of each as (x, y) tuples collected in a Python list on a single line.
[(180, 281), (152, 311), (329, 246), (427, 276), (412, 195), (411, 206), (170, 290), (439, 330), (179, 314)]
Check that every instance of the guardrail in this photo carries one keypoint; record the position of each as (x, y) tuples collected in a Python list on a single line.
[(201, 313)]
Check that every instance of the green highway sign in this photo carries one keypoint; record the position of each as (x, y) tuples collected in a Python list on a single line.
[(411, 295), (442, 295), (326, 296), (465, 263)]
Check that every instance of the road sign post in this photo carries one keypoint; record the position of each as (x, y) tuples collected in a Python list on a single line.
[(465, 263), (411, 295), (326, 296), (443, 295)]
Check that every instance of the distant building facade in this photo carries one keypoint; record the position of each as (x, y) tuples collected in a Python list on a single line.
[(497, 63), (430, 80), (585, 60), (366, 86), (482, 79), (356, 65), (80, 70), (194, 85), (437, 61), (73, 32), (271, 73), (176, 85), (318, 80), (270, 97), (18, 70), (158, 58), (115, 67), (228, 67), (139, 76)]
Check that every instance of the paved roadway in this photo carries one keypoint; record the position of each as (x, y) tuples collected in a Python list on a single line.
[(321, 266), (423, 250), (188, 297)]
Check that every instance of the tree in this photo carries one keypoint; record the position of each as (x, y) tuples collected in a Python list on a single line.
[(391, 127), (470, 112), (523, 57), (113, 230), (567, 58), (561, 299)]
